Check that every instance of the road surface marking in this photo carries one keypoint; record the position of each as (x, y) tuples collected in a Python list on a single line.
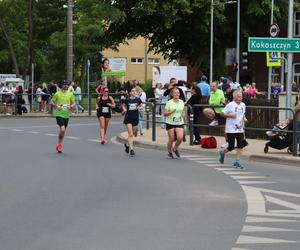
[(251, 229), (251, 219), (237, 172), (72, 137), (17, 130), (94, 140), (243, 239), (51, 134), (255, 182), (241, 177), (33, 132)]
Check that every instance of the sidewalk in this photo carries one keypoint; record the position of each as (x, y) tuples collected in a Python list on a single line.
[(253, 152)]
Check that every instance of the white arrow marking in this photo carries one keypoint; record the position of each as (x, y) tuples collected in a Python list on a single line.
[(250, 219), (260, 240), (250, 229), (283, 203)]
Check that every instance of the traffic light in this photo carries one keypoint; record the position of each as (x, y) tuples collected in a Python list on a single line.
[(245, 60)]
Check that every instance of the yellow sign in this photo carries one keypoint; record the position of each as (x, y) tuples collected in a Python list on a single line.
[(271, 61)]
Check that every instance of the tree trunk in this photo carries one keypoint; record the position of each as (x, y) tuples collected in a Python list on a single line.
[(11, 48), (30, 37)]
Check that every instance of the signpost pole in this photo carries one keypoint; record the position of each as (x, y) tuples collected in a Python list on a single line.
[(211, 41), (290, 56), (270, 68)]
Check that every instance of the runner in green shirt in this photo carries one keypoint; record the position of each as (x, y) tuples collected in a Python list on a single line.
[(63, 102)]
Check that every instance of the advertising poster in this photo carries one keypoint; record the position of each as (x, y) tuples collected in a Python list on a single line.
[(114, 66), (163, 74)]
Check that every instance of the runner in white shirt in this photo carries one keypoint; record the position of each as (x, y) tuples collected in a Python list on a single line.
[(234, 112)]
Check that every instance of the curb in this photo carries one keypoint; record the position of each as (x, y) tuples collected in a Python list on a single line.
[(251, 157)]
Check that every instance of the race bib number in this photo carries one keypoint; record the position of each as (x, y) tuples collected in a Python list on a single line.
[(105, 109), (64, 107), (132, 106), (177, 119)]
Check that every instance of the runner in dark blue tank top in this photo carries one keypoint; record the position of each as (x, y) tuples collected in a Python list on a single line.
[(131, 107)]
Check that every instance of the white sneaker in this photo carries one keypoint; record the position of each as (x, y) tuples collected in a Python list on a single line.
[(225, 145), (214, 123)]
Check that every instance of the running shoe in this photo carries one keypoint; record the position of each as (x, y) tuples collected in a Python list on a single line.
[(126, 148), (221, 157), (237, 164), (102, 141), (225, 145), (170, 155), (132, 153), (176, 152), (59, 148), (214, 123)]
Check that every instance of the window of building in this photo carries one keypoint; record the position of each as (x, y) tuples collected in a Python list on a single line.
[(297, 23), (297, 72), (153, 60), (135, 60)]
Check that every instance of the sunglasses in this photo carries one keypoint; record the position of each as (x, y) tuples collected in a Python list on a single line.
[(105, 91)]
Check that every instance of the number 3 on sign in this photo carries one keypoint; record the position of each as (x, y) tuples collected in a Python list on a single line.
[(297, 45)]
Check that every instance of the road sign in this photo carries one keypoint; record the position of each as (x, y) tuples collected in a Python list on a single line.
[(266, 44), (271, 61), (274, 30)]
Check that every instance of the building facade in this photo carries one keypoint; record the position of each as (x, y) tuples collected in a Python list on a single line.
[(139, 61)]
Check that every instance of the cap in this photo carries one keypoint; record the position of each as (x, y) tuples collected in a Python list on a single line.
[(204, 78), (65, 82)]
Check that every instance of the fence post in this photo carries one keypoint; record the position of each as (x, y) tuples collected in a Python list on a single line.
[(153, 123), (191, 122), (16, 104), (90, 104), (147, 116)]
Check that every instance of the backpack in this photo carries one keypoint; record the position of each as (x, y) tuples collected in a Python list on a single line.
[(209, 142)]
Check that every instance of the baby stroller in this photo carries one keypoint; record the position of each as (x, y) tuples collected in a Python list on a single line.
[(279, 139)]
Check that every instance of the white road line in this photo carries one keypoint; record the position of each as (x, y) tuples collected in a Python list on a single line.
[(72, 137), (247, 177), (33, 132), (200, 158), (94, 140), (190, 156), (220, 165), (243, 239), (292, 206), (251, 229), (227, 169), (51, 135), (251, 219), (238, 172), (255, 182), (235, 248), (17, 130), (207, 162)]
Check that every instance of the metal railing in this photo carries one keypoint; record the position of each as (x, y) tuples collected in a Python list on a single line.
[(191, 124)]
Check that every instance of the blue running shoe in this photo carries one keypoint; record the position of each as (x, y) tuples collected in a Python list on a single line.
[(221, 157), (238, 165), (176, 152)]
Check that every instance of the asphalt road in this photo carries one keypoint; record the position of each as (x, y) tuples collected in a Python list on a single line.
[(96, 197)]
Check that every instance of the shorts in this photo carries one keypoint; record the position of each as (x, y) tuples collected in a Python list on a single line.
[(105, 115), (231, 138), (170, 126), (133, 122), (221, 120), (62, 121)]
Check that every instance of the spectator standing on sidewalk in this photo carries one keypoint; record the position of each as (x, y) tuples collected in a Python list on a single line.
[(78, 98), (45, 97), (142, 95), (174, 122), (234, 112), (52, 91), (63, 102), (158, 92), (297, 111), (204, 86), (216, 100), (196, 99)]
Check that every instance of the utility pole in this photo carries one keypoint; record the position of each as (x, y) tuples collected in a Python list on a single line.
[(70, 41), (290, 57), (238, 40), (211, 41)]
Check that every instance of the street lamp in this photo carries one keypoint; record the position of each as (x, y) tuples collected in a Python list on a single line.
[(212, 36)]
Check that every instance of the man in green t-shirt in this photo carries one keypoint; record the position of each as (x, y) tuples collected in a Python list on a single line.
[(63, 102), (216, 100)]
